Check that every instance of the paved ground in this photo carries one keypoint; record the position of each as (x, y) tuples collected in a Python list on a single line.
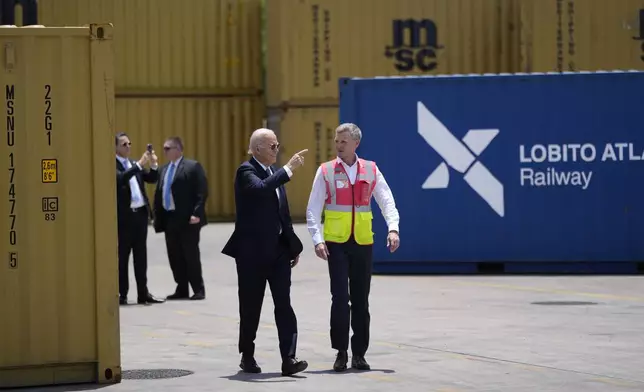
[(444, 334)]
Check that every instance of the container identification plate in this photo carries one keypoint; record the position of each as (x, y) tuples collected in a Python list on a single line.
[(49, 170)]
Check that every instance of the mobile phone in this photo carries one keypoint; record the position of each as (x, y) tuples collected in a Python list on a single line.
[(149, 147)]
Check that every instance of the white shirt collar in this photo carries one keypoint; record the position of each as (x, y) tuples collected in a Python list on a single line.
[(176, 163), (261, 164), (345, 164), (121, 159)]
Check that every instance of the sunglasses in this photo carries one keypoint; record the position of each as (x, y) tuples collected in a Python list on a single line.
[(165, 148), (275, 146), (126, 144)]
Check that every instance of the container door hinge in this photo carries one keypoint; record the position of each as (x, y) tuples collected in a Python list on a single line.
[(101, 31)]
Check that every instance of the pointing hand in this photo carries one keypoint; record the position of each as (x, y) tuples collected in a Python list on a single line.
[(297, 160)]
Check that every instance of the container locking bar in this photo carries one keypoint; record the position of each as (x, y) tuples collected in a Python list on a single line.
[(29, 12)]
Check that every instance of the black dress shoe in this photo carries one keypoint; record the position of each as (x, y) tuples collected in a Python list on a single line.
[(150, 299), (291, 366), (358, 362), (177, 296), (122, 300), (249, 365), (341, 360), (198, 296)]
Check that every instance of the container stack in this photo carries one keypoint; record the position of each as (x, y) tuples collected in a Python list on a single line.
[(194, 68), (310, 44), (581, 35), (190, 68)]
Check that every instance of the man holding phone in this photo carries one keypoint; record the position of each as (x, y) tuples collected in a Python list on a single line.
[(133, 213)]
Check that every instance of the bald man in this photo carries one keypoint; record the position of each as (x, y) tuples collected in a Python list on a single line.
[(265, 248)]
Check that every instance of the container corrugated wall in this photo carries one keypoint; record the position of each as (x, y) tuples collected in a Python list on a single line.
[(311, 43), (297, 129), (581, 35), (182, 47), (59, 276), (190, 68), (215, 131)]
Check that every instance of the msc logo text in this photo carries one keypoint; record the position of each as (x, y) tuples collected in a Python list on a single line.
[(415, 45)]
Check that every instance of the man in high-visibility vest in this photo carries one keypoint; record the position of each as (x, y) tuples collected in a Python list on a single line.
[(343, 188)]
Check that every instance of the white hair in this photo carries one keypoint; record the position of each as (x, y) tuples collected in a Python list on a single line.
[(256, 138), (354, 131)]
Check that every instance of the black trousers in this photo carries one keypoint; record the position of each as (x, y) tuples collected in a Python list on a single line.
[(252, 276), (350, 275), (182, 244), (132, 237)]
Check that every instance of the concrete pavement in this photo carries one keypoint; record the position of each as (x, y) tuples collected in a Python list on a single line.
[(447, 334)]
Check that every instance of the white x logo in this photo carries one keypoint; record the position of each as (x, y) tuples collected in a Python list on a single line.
[(457, 155)]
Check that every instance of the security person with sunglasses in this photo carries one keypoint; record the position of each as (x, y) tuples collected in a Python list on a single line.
[(133, 216), (180, 213)]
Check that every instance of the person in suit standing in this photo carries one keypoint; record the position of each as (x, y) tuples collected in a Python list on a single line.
[(265, 248), (180, 213), (133, 211)]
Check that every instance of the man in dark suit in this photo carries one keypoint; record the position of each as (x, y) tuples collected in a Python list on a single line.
[(133, 213), (180, 212), (265, 248)]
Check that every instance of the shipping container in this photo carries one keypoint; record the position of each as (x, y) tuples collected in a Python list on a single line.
[(533, 173), (312, 43), (187, 48), (59, 278), (215, 131), (581, 35), (299, 129)]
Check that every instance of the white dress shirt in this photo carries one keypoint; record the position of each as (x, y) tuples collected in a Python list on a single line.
[(288, 171), (382, 194), (135, 190), (270, 171)]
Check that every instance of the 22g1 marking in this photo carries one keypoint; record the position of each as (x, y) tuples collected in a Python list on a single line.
[(48, 116)]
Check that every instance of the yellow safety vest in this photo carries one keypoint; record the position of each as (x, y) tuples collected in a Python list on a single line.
[(347, 209)]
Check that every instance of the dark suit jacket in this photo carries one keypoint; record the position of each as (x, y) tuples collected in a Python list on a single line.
[(123, 191), (189, 191), (258, 214)]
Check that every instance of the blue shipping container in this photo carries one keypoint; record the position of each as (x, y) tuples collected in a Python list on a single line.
[(533, 171)]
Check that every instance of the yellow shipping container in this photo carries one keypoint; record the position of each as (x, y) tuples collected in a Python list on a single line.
[(297, 129), (188, 47), (59, 278), (312, 43), (581, 35), (215, 131)]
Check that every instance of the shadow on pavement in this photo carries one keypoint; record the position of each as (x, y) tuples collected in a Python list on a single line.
[(262, 377)]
